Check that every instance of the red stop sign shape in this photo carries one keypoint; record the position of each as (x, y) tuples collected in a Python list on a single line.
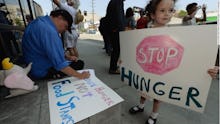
[(159, 54)]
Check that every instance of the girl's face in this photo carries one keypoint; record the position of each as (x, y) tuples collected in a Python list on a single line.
[(163, 13)]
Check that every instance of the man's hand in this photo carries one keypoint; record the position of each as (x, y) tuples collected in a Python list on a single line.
[(71, 72), (84, 75), (57, 2)]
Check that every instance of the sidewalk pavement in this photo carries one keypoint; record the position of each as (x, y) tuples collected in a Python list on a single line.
[(33, 108)]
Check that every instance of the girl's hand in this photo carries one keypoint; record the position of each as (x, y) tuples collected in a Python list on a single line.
[(214, 72)]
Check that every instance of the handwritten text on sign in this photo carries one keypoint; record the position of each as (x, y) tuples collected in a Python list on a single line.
[(73, 100), (168, 65), (159, 54)]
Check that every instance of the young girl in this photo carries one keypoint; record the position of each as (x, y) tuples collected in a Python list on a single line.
[(160, 12)]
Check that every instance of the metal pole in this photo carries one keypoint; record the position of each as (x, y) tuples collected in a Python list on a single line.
[(31, 12), (22, 12), (93, 18)]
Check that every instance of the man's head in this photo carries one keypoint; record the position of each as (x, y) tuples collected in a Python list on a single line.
[(192, 7), (62, 20)]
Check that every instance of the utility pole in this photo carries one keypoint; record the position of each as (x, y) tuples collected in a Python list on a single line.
[(93, 12)]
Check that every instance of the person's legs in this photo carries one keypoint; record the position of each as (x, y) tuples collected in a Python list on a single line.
[(138, 108), (109, 46), (142, 102), (105, 42), (115, 53), (71, 51), (153, 117), (156, 106)]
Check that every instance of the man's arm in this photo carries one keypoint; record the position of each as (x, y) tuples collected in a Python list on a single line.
[(57, 2), (62, 5), (71, 72), (52, 46), (204, 15)]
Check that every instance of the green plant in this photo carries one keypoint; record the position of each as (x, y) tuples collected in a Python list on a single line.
[(182, 13), (18, 22)]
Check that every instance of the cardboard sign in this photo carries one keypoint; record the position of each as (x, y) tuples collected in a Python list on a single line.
[(170, 64), (72, 100)]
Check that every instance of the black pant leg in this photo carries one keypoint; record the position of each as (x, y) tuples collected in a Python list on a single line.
[(116, 51)]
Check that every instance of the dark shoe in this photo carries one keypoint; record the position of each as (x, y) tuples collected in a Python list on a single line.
[(135, 110), (114, 72), (151, 119)]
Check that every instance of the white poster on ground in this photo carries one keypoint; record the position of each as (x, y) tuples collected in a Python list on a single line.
[(72, 100), (170, 64)]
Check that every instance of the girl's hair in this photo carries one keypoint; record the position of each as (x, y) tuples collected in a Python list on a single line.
[(152, 6), (129, 12)]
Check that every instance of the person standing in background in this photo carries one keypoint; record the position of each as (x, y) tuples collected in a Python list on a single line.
[(103, 28), (70, 38), (190, 18), (130, 22), (142, 21), (115, 18)]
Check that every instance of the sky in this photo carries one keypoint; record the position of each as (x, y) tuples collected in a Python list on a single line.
[(101, 5)]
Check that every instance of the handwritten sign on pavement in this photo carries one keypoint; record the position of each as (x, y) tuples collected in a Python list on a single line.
[(72, 100)]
